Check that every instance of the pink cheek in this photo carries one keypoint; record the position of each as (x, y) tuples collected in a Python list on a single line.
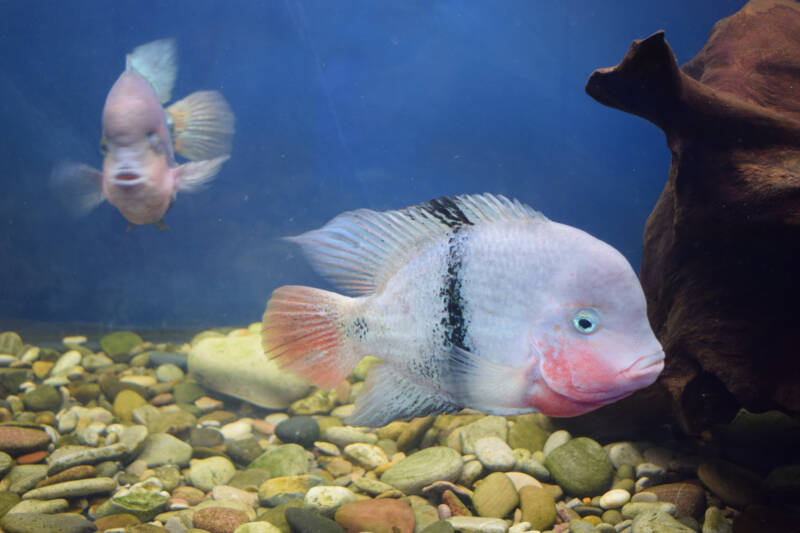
[(574, 364)]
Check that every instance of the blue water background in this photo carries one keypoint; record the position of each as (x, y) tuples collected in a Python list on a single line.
[(339, 105)]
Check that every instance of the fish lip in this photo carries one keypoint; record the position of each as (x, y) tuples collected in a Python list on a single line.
[(127, 181), (644, 366)]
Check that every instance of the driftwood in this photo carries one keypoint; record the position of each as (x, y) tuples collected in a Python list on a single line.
[(721, 257)]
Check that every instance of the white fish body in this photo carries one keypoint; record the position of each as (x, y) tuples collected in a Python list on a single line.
[(469, 301)]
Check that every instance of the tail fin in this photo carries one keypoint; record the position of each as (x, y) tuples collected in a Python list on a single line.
[(302, 330), (202, 125)]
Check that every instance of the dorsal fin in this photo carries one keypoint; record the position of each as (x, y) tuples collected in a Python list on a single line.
[(157, 62), (359, 250)]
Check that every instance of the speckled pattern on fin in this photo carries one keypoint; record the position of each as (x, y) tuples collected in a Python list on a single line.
[(389, 395), (359, 250)]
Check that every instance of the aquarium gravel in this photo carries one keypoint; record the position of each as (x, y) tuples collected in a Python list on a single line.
[(120, 436)]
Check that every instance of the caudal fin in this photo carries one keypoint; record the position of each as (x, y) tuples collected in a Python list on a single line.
[(302, 331), (202, 125)]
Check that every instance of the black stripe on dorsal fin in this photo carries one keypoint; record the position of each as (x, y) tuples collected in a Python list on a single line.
[(359, 250)]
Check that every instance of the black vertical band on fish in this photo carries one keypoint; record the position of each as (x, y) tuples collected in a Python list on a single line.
[(446, 211), (453, 321)]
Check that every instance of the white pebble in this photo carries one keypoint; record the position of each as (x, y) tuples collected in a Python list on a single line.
[(521, 527), (241, 429), (614, 499), (624, 453), (495, 454), (66, 362), (327, 499), (556, 439)]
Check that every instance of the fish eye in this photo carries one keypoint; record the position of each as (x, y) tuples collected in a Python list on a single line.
[(103, 146), (586, 321)]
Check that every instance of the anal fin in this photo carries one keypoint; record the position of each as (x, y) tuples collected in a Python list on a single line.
[(390, 394)]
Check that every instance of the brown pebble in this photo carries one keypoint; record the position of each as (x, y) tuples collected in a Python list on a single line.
[(165, 398), (115, 521), (70, 474), (263, 427), (31, 458), (219, 519), (191, 495)]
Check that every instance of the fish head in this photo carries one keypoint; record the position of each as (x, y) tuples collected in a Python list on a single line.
[(138, 161), (593, 343)]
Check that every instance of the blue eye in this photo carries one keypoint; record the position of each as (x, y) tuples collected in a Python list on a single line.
[(585, 321)]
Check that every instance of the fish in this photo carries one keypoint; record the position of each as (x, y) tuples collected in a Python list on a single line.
[(140, 175), (472, 301)]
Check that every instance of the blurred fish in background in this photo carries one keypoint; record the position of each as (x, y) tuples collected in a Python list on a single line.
[(140, 176)]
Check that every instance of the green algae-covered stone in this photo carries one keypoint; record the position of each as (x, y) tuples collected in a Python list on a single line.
[(118, 345), (422, 468), (10, 343), (283, 489), (581, 467), (42, 398), (495, 496), (658, 522), (285, 460), (526, 433), (7, 501), (277, 515), (144, 505), (538, 507)]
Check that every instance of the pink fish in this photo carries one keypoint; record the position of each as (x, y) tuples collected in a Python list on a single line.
[(140, 176), (472, 301)]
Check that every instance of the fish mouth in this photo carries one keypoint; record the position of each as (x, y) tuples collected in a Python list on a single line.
[(128, 178), (646, 367)]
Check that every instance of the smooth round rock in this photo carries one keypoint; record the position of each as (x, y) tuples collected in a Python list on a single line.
[(162, 448), (19, 441), (257, 527), (538, 507), (219, 519), (42, 398), (169, 373), (488, 426), (495, 496), (614, 499), (385, 515), (205, 474), (624, 453), (368, 456), (52, 523), (422, 468), (526, 433), (731, 483), (581, 467), (119, 344), (494, 454), (658, 522), (306, 521), (285, 460), (689, 498), (556, 439), (302, 430), (327, 499)]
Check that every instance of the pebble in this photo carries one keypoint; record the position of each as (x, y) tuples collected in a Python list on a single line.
[(327, 500), (302, 430), (556, 439), (731, 483), (72, 489), (168, 373), (341, 436), (305, 521), (20, 440), (658, 522), (495, 496), (490, 426), (368, 456), (474, 524), (205, 474), (630, 510), (378, 516), (219, 519), (494, 454), (624, 453), (581, 467), (162, 448), (52, 523), (614, 499), (284, 460), (422, 468)]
